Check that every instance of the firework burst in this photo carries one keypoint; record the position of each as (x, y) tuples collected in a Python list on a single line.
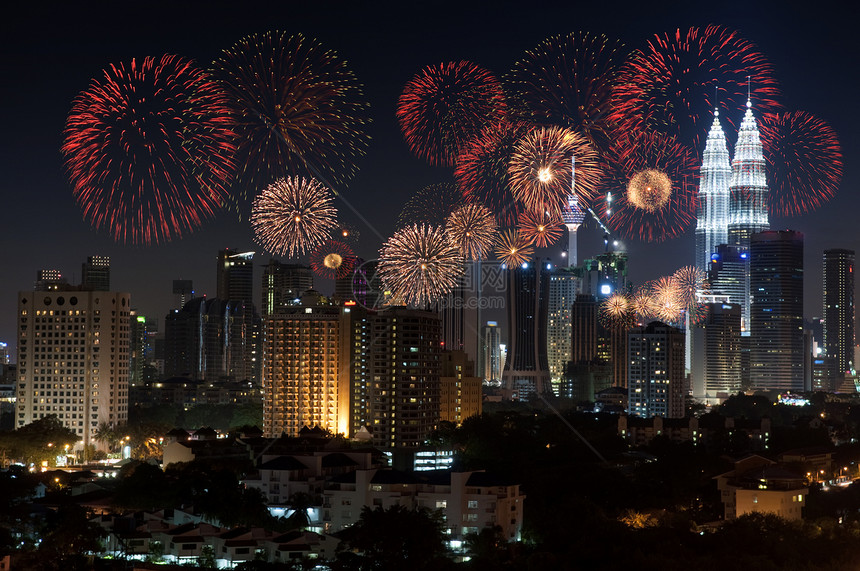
[(689, 280), (668, 305), (513, 249), (668, 86), (419, 264), (649, 190), (804, 162), (540, 228), (567, 80), (293, 215), (540, 169), (445, 105), (297, 107), (472, 228), (646, 152), (643, 304), (432, 205), (149, 150), (617, 311), (482, 169), (332, 260)]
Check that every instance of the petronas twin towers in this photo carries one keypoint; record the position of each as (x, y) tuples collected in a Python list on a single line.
[(732, 196)]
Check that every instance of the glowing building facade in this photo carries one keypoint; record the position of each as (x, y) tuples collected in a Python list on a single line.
[(562, 293), (655, 374), (713, 209), (73, 359), (839, 307), (748, 189)]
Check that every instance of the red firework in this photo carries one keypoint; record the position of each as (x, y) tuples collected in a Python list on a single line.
[(804, 162), (333, 260), (149, 149), (445, 105), (541, 169), (540, 228), (567, 80), (298, 110), (482, 169), (635, 155), (669, 85)]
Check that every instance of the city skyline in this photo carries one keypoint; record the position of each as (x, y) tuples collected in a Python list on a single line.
[(45, 228)]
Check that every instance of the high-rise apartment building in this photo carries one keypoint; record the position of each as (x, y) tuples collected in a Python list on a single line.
[(73, 359), (838, 335), (526, 367), (563, 285), (459, 388), (656, 375), (776, 311), (306, 372), (403, 368), (235, 276), (283, 285), (717, 352), (748, 189), (95, 273), (713, 208)]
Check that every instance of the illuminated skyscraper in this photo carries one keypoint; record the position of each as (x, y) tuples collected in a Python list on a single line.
[(748, 189), (713, 209), (776, 312), (728, 275), (839, 307), (656, 376), (95, 273), (563, 286), (235, 276), (526, 367), (717, 352), (283, 285)]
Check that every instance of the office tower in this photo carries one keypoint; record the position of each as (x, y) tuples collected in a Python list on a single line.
[(656, 376), (604, 274), (403, 368), (306, 369), (748, 188), (137, 348), (283, 285), (563, 286), (572, 217), (584, 328), (212, 339), (4, 353), (728, 277), (184, 289), (459, 388), (713, 208), (776, 311), (526, 367), (235, 276), (490, 364), (73, 358), (838, 334), (717, 352), (95, 273), (49, 280)]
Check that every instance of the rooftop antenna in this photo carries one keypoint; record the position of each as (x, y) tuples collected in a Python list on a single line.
[(716, 99), (749, 99)]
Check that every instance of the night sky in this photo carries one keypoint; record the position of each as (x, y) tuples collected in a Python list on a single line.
[(50, 53)]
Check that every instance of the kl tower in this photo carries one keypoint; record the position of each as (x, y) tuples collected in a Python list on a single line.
[(572, 216)]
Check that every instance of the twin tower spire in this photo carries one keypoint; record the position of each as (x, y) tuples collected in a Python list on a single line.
[(732, 196)]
